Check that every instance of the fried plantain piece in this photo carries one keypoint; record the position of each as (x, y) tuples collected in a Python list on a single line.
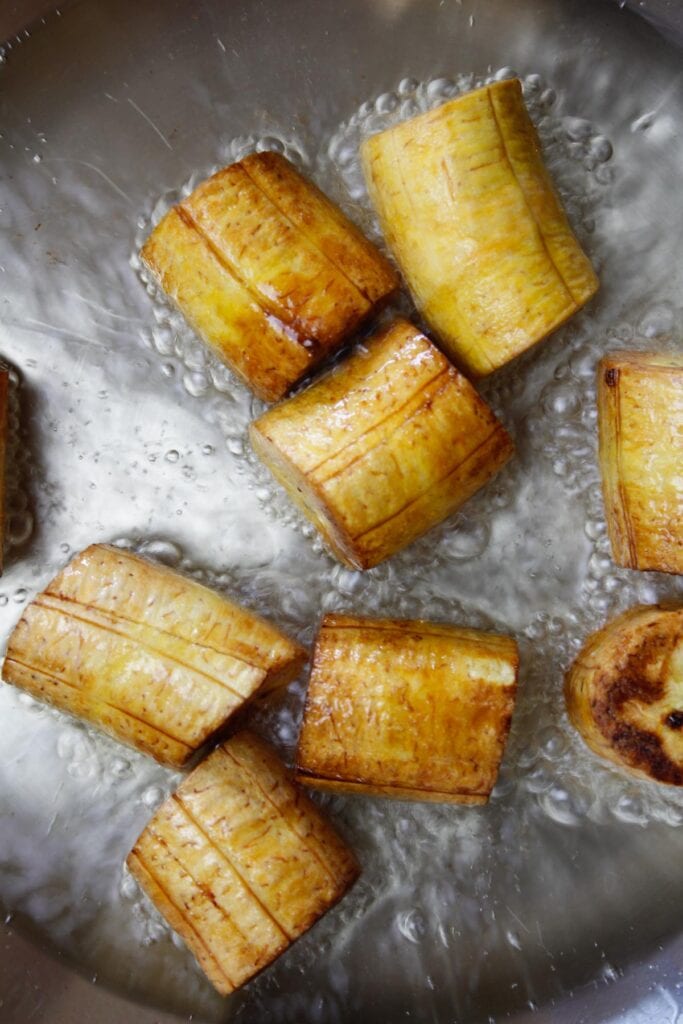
[(640, 415), (624, 693), (240, 862), (157, 660), (267, 271), (407, 709), (384, 448), (473, 219)]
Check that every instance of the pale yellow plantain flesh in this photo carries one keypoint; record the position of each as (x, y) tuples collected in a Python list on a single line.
[(4, 412), (151, 657), (267, 271), (385, 447), (624, 693), (240, 862), (407, 709), (640, 415), (477, 228)]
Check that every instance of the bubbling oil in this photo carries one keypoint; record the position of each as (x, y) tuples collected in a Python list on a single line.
[(442, 888)]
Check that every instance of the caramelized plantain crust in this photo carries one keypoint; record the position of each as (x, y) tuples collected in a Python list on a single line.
[(383, 448), (405, 709), (267, 270), (473, 219), (640, 414), (240, 862), (624, 693), (151, 657)]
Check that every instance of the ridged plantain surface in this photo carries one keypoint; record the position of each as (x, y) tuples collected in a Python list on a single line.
[(383, 448), (153, 658), (259, 348), (240, 862), (624, 692), (267, 270), (407, 709), (473, 219), (323, 224), (640, 413)]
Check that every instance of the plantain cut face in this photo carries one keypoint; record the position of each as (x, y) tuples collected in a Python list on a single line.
[(151, 657), (472, 217), (640, 413), (410, 710), (385, 447), (240, 862), (4, 413), (624, 693), (267, 271)]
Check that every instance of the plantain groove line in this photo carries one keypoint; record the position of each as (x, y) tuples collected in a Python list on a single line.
[(532, 215), (228, 860), (205, 887), (289, 825), (52, 677), (267, 307), (621, 490), (186, 919), (375, 425), (158, 651), (432, 485), (309, 238), (157, 629)]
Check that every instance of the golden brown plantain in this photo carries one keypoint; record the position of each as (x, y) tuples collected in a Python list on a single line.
[(640, 413), (4, 411), (473, 219), (267, 270), (240, 862), (624, 692), (383, 448), (407, 709), (151, 657)]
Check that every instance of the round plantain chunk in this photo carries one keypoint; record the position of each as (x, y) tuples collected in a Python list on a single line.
[(624, 692)]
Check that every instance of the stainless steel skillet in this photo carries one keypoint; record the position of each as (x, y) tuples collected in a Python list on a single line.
[(104, 109)]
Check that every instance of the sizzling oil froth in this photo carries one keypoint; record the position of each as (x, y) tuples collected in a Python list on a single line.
[(528, 555)]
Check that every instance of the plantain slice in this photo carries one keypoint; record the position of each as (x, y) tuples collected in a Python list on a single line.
[(385, 447), (407, 709), (640, 413), (4, 413), (267, 270), (477, 228), (624, 692), (240, 862), (152, 657)]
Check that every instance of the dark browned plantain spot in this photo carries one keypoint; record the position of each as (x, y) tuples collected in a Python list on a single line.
[(638, 747)]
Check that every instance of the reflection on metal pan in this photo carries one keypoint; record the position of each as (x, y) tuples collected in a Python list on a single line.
[(559, 900)]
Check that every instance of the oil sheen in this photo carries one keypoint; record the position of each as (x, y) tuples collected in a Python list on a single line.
[(448, 893)]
